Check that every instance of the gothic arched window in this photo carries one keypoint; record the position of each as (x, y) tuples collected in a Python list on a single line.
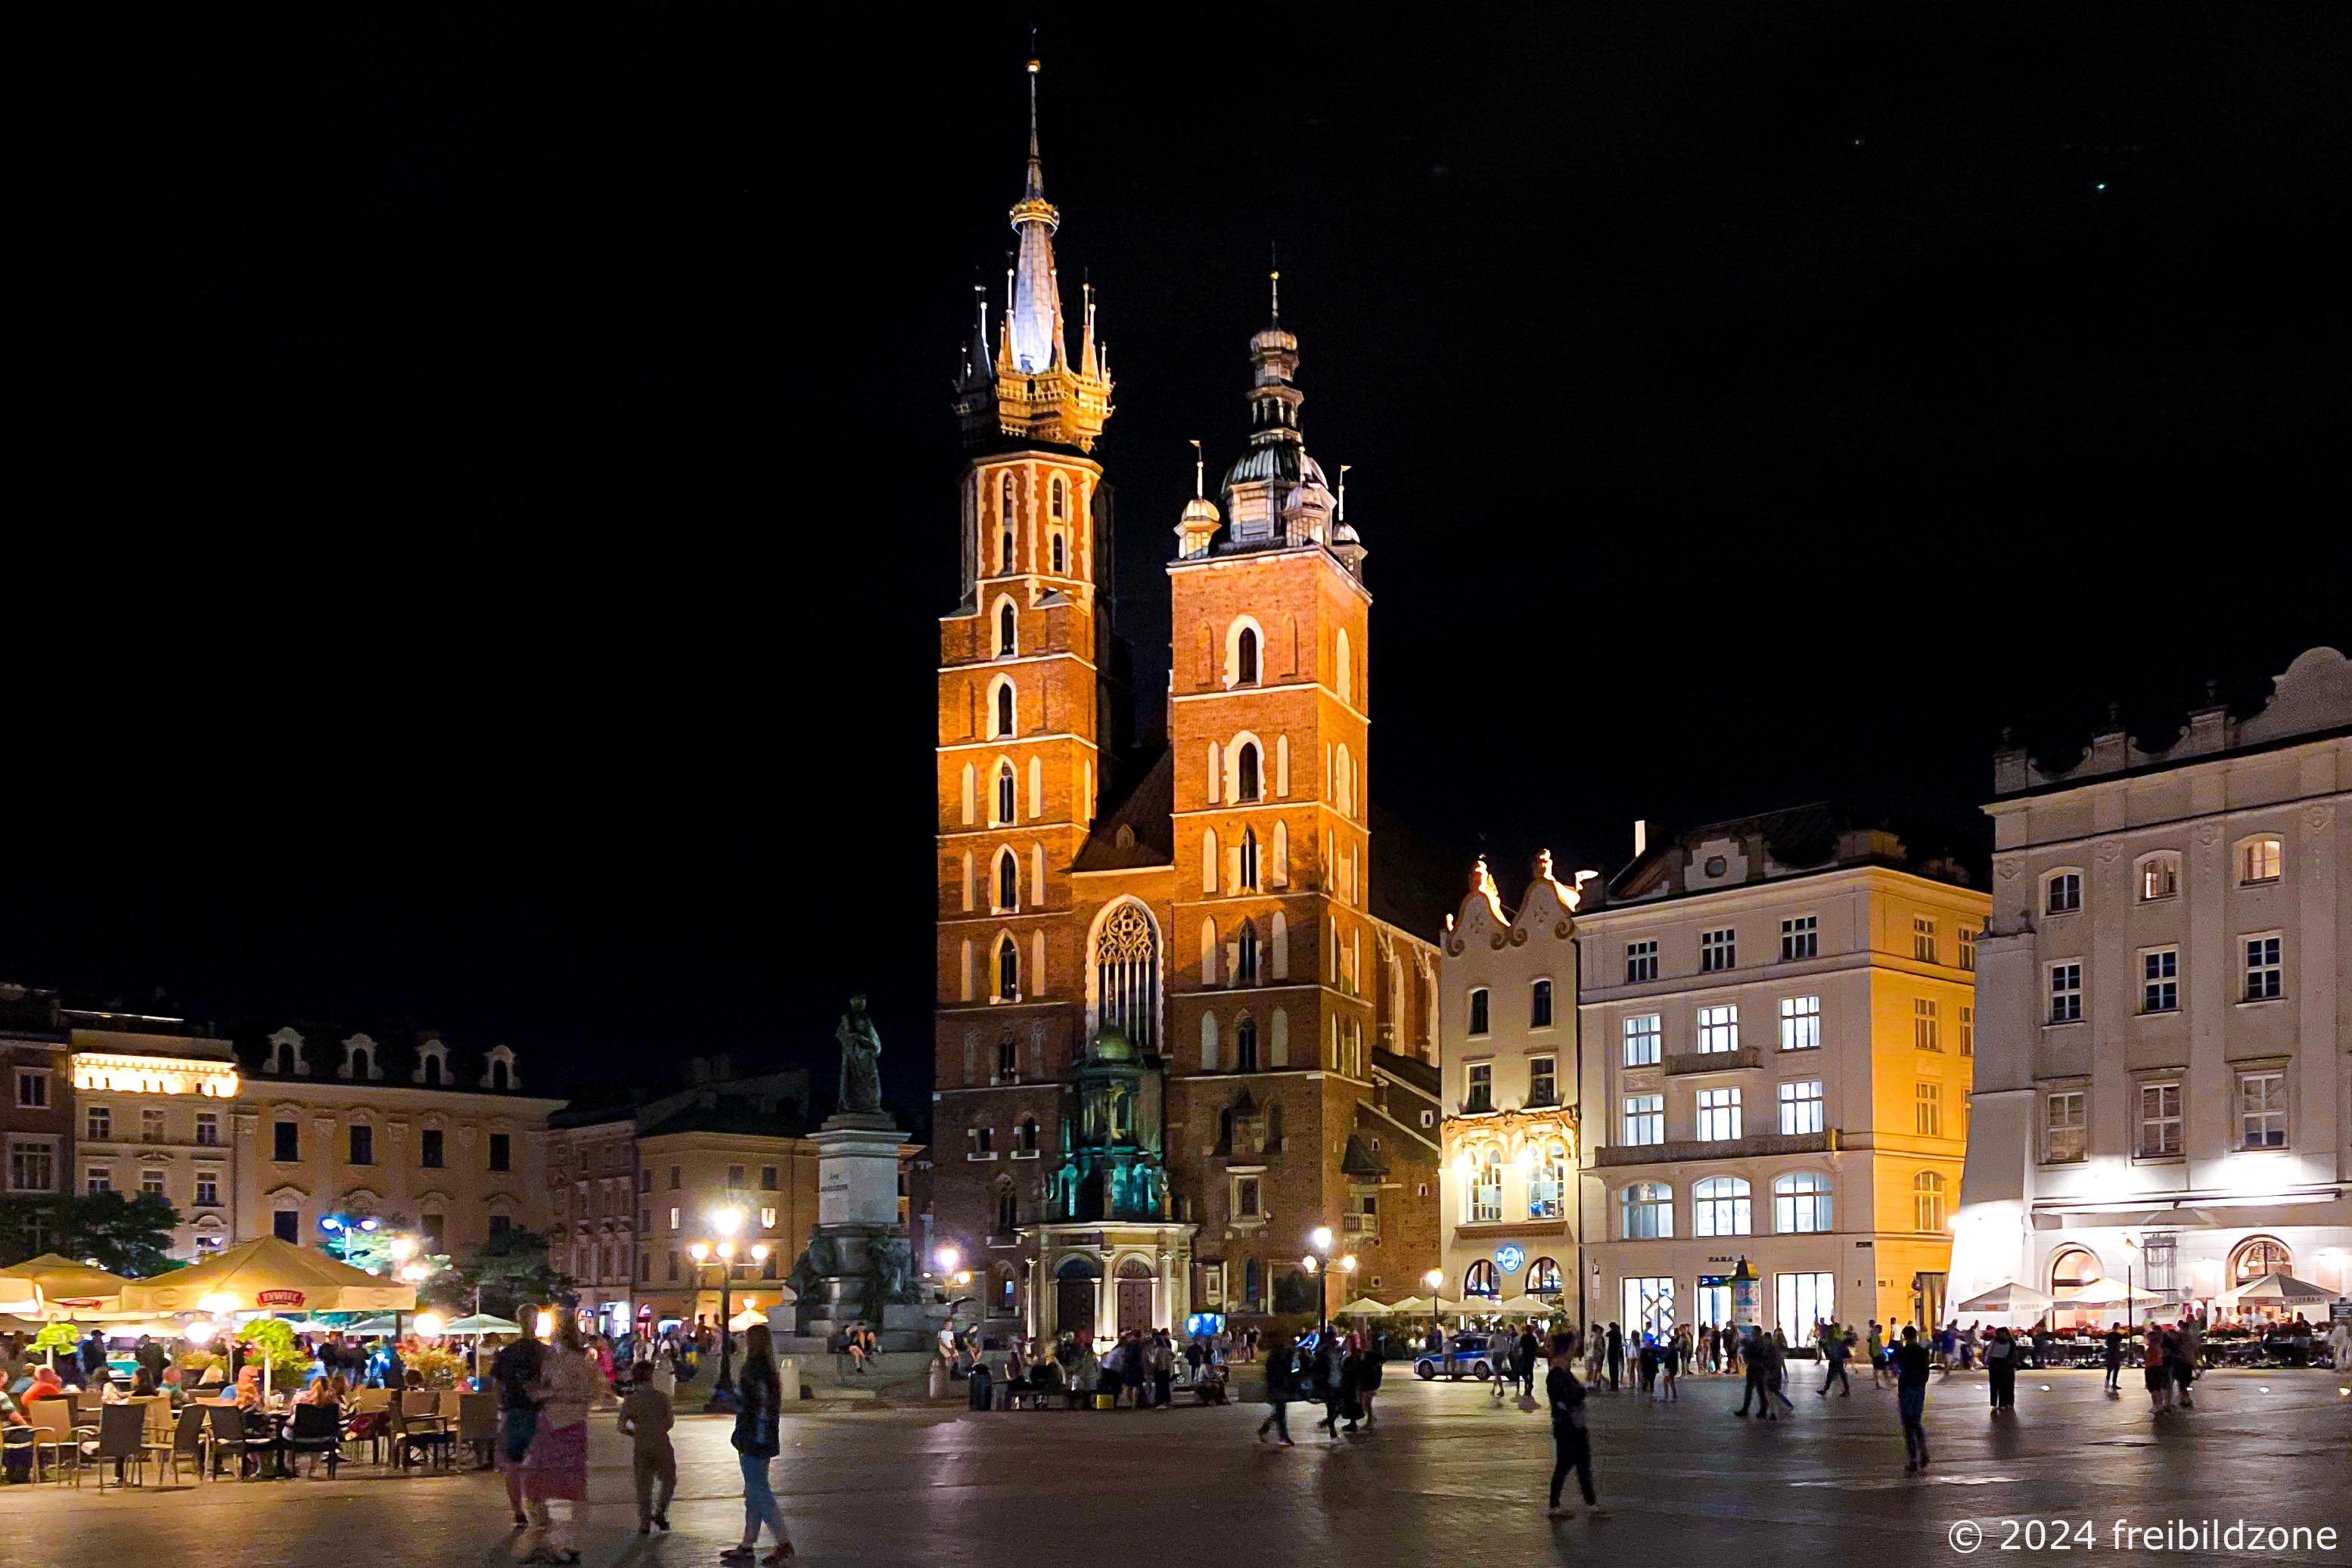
[(1126, 976), (1005, 501), (1007, 793), (1245, 771), (1245, 1043), (1008, 1210), (1061, 553), (1056, 495), (1008, 969), (1004, 709), (1249, 860), (1025, 1140), (1006, 624), (1008, 882), (1245, 958), (1246, 658)]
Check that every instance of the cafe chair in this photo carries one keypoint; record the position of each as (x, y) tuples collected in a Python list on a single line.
[(226, 1426), (53, 1433), (123, 1440), (316, 1431), (186, 1442)]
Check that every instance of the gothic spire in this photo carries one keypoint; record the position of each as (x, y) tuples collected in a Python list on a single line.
[(1036, 309)]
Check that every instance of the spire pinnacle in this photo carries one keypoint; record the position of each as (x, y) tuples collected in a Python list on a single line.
[(1274, 279), (1199, 494), (1036, 190)]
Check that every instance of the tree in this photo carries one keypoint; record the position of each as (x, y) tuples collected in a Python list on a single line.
[(511, 1270), (371, 1250), (130, 1235)]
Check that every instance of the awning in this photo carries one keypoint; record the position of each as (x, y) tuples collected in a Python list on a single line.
[(1362, 1307), (65, 1281), (2281, 1289), (2008, 1296), (269, 1275)]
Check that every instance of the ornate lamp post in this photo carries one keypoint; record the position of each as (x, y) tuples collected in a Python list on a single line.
[(2131, 1257), (726, 1220), (1436, 1281)]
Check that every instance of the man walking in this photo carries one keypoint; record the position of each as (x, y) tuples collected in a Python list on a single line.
[(1530, 1350), (1278, 1391), (1616, 1343), (1836, 1348), (1753, 1358), (1571, 1447), (1912, 1364)]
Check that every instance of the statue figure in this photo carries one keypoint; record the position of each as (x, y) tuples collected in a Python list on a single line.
[(890, 1280), (822, 1259), (861, 1053)]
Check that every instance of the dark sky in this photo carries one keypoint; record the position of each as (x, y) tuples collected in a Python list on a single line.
[(486, 486)]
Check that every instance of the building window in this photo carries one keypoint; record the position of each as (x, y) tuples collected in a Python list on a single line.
[(1007, 625), (1648, 1305), (1486, 1189), (1481, 1280), (1720, 1206), (207, 1190), (1968, 1030), (1718, 1114), (1246, 1198), (151, 1184), (1800, 1203), (1478, 999), (1548, 1185), (2159, 1120), (1967, 948), (1801, 1301), (362, 1145), (2160, 876), (1053, 497), (1543, 1278), (1927, 1025), (675, 1183), (287, 1146), (1647, 1210), (1928, 1201), (1641, 962), (1802, 1107), (1008, 882), (2159, 980), (1007, 794), (735, 1175), (1245, 657), (1543, 1081), (1008, 969), (1008, 1211), (1248, 878), (2062, 1136), (2259, 1255), (287, 1226), (1245, 1041), (2261, 1110), (97, 1123), (2065, 993), (1126, 976), (1004, 725), (2259, 860), (98, 1180), (150, 1124), (2063, 894), (1481, 1094), (208, 1129), (1800, 1023), (1642, 1041), (32, 1088), (1718, 1029), (1923, 939), (1801, 938), (1539, 1005), (1645, 1118), (768, 1179), (2264, 980), (1246, 773), (1008, 1060), (32, 1167), (501, 1145), (1718, 951), (1928, 1110)]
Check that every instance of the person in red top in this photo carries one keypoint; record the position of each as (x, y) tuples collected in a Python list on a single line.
[(2157, 1375)]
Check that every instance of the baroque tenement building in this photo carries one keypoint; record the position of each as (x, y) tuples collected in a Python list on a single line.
[(1177, 1031)]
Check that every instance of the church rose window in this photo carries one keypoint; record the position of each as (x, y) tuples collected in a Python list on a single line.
[(1127, 976)]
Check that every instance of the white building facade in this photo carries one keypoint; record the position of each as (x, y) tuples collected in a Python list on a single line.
[(2163, 1096), (1777, 1017), (1507, 1066)]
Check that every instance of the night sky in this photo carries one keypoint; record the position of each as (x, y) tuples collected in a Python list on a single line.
[(486, 481)]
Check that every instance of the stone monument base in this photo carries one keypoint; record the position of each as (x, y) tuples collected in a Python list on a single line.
[(857, 1209)]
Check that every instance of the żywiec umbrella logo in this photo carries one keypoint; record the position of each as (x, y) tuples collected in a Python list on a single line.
[(278, 1297)]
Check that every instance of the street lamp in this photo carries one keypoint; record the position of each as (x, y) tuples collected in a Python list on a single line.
[(2131, 1254), (1320, 1263), (726, 1220), (1436, 1281)]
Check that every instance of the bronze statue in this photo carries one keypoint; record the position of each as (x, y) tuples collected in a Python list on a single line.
[(861, 1052)]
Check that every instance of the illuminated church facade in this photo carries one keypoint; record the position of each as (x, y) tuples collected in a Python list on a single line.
[(1178, 1029)]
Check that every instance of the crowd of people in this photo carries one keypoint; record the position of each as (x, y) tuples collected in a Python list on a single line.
[(1139, 1371)]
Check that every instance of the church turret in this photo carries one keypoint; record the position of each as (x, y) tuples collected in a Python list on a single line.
[(1276, 495), (1025, 387), (1198, 526)]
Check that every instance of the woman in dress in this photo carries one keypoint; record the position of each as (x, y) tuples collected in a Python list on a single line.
[(568, 1383), (758, 1440)]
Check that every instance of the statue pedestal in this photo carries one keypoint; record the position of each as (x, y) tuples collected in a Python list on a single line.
[(856, 1207)]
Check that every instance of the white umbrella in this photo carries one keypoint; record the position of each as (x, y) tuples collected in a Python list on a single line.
[(2008, 1296), (2106, 1294), (2282, 1289), (1363, 1307)]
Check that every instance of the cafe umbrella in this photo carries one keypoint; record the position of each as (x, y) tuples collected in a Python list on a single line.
[(267, 1276)]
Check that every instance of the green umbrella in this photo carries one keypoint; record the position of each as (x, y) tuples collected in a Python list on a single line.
[(481, 1324)]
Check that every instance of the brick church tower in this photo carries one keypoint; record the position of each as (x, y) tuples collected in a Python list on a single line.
[(1172, 1030)]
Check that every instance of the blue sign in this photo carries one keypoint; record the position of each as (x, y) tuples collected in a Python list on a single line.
[(1510, 1260), (1205, 1322)]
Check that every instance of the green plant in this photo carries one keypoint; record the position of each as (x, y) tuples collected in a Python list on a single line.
[(441, 1368), (56, 1336), (274, 1339)]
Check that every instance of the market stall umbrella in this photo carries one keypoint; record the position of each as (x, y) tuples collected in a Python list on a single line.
[(269, 1275), (64, 1281), (1363, 1307), (746, 1318), (2107, 1294), (482, 1323), (2277, 1290), (2008, 1296), (19, 1294), (373, 1327)]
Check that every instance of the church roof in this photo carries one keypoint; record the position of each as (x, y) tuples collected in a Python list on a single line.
[(1139, 831)]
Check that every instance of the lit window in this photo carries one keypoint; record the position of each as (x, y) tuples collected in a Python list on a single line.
[(1482, 1087), (1802, 1107), (1548, 1183), (1928, 1110), (1800, 1203), (1927, 1025), (1718, 951), (1478, 999), (2065, 993), (2263, 977), (97, 1123), (1481, 1280), (1923, 939), (2064, 893), (1642, 1041), (2259, 860), (1543, 1081), (1800, 1023), (2160, 876), (1928, 1201), (1486, 1189), (1718, 1029), (1969, 947), (1720, 1206), (1968, 1030), (2159, 980), (1801, 938), (1718, 1114), (2160, 1120), (2063, 1139), (1648, 1208), (1645, 1119), (2261, 1110), (1641, 962)]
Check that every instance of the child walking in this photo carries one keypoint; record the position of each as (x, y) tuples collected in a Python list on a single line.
[(646, 1421)]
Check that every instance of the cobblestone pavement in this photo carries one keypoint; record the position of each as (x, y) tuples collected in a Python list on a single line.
[(1448, 1476)]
